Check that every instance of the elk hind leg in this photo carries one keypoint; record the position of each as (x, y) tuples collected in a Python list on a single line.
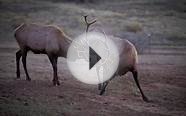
[(135, 76)]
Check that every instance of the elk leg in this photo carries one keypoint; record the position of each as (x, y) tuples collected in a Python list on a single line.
[(24, 55), (103, 87), (53, 60), (97, 71), (99, 86), (135, 75), (18, 56)]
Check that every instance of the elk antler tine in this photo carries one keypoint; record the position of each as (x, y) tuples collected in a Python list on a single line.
[(92, 22), (88, 23), (85, 17)]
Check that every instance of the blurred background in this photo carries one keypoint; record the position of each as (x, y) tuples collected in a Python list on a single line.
[(141, 21)]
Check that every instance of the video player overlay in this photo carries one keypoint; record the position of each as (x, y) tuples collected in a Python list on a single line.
[(92, 58)]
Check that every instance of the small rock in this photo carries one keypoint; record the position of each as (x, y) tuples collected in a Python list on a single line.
[(60, 96), (26, 104)]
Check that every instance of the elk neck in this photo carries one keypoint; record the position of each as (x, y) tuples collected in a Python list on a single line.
[(64, 45)]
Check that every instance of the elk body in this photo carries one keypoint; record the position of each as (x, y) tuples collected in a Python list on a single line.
[(41, 39)]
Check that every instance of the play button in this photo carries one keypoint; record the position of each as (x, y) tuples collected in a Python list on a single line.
[(92, 58)]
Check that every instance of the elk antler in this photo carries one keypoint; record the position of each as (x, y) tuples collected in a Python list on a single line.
[(88, 23)]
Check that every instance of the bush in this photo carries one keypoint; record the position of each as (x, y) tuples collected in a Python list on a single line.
[(134, 27)]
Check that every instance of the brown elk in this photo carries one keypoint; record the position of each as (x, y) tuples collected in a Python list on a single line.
[(128, 60), (41, 39)]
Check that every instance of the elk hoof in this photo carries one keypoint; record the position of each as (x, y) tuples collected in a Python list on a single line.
[(102, 91), (28, 79), (145, 99), (56, 83), (18, 78)]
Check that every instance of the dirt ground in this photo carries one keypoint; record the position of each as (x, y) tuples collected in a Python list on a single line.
[(161, 33)]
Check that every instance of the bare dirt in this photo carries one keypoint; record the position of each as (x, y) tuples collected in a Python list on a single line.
[(162, 66)]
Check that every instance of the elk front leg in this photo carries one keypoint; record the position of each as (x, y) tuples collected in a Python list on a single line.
[(18, 56), (104, 85), (53, 60)]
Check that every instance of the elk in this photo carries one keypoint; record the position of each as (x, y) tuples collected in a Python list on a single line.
[(128, 60), (41, 39)]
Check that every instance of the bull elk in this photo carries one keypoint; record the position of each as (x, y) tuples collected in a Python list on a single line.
[(128, 60)]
